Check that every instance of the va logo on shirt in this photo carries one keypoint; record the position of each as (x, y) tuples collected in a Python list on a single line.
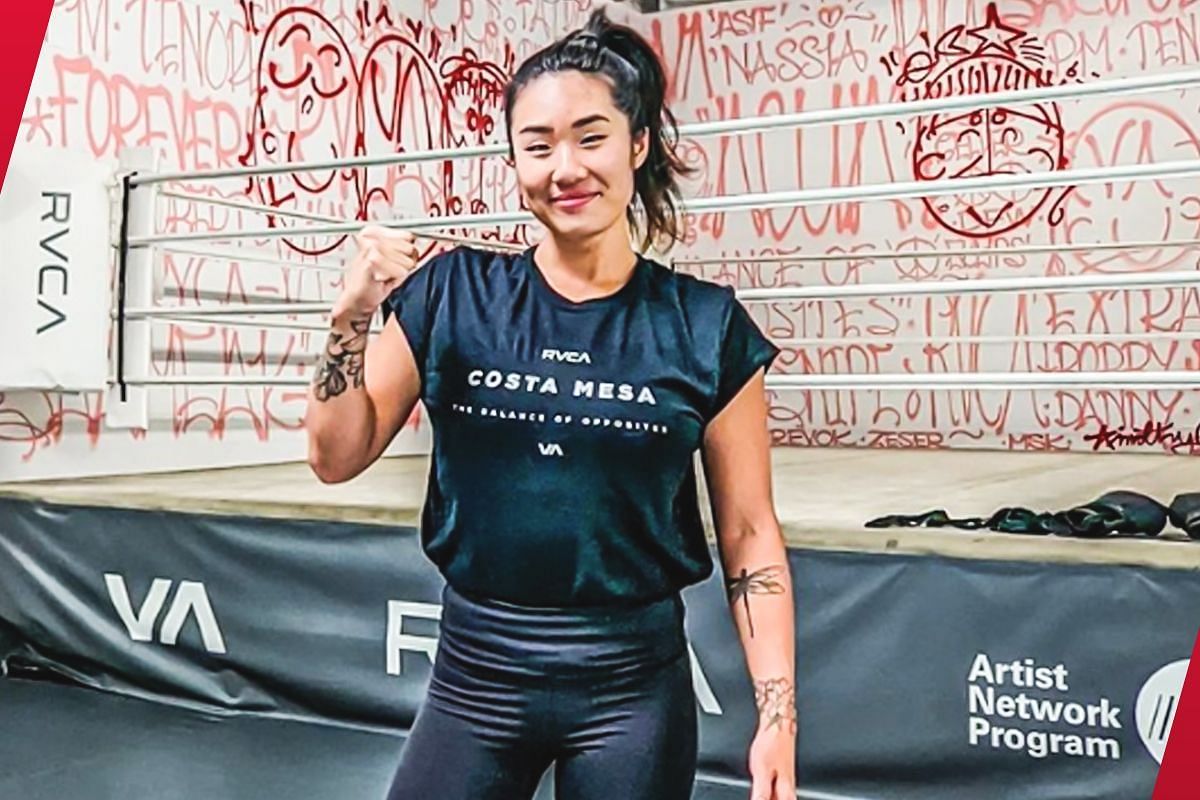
[(550, 449)]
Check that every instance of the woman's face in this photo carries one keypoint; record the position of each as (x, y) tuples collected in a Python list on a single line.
[(574, 153)]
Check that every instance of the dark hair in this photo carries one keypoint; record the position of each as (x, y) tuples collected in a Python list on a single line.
[(639, 86)]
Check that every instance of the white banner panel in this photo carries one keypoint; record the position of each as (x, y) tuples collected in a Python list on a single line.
[(54, 257)]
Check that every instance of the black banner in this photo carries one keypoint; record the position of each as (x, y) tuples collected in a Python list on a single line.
[(918, 677)]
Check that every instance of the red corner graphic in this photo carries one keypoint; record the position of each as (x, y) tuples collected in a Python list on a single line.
[(21, 36), (1179, 776)]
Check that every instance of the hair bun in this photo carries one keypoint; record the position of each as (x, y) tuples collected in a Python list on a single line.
[(598, 22)]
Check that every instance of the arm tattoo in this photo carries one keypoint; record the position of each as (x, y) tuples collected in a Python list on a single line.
[(776, 701), (758, 582), (341, 365)]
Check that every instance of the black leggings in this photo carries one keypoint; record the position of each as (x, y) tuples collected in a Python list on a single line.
[(604, 694)]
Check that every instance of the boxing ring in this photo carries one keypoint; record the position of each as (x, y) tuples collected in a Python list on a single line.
[(206, 633)]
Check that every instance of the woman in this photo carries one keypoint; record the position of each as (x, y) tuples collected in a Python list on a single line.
[(569, 387)]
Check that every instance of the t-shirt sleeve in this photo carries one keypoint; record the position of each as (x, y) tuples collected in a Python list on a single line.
[(743, 350), (412, 303)]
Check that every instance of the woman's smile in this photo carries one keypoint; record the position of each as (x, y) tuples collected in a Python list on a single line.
[(573, 201)]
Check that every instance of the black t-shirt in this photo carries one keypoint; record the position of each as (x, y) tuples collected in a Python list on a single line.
[(563, 433)]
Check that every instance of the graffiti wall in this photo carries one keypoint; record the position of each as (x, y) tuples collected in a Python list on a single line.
[(223, 83), (746, 59)]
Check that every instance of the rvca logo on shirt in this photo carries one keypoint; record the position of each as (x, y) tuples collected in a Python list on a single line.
[(569, 356)]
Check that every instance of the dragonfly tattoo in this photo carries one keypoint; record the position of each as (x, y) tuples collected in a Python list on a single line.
[(762, 581)]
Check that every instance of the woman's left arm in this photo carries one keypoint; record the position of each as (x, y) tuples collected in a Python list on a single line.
[(737, 467)]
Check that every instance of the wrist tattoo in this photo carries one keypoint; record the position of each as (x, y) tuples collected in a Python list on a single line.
[(341, 365), (776, 701), (762, 581)]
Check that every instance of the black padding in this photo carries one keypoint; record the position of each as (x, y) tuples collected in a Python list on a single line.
[(1185, 513)]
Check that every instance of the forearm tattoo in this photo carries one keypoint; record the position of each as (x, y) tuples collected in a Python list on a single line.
[(762, 581), (341, 365), (776, 701)]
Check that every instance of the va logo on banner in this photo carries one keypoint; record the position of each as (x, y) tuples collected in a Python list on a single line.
[(190, 598), (1156, 705)]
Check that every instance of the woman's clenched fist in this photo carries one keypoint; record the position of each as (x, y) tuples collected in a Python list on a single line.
[(385, 258)]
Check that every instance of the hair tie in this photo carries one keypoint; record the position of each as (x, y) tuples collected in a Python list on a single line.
[(597, 40)]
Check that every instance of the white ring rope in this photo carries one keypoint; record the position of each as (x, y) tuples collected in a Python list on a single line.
[(933, 381), (256, 257), (1075, 283), (811, 341), (751, 201), (506, 247), (966, 252), (1015, 339), (299, 327), (1140, 84), (252, 256), (231, 311), (762, 200), (995, 380)]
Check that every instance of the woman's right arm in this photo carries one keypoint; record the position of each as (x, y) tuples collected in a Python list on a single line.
[(362, 393)]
